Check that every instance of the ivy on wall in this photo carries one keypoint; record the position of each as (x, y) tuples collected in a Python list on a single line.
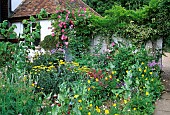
[(149, 22)]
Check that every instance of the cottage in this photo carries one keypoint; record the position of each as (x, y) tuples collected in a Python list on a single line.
[(29, 8)]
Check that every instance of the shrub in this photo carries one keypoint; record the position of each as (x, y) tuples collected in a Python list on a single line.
[(49, 42)]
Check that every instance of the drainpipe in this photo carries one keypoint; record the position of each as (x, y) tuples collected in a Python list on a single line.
[(9, 8)]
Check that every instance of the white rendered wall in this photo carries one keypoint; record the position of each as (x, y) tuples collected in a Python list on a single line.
[(19, 29), (45, 24)]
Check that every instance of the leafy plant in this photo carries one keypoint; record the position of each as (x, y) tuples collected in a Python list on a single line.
[(49, 42)]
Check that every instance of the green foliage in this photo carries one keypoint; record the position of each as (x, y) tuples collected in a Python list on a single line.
[(49, 42), (74, 30), (6, 51), (7, 32), (102, 5), (128, 76), (17, 98)]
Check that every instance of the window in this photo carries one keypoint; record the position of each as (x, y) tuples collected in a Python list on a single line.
[(37, 40), (30, 29)]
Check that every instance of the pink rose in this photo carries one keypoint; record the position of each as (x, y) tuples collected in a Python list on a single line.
[(49, 27), (113, 44), (63, 37), (84, 9), (59, 16), (62, 30), (53, 34), (66, 43)]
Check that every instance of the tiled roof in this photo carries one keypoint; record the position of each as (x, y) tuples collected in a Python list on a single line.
[(33, 7)]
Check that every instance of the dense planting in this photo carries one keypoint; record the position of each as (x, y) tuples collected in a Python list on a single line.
[(69, 79)]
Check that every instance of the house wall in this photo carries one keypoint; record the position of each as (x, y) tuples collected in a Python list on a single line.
[(19, 29), (44, 28)]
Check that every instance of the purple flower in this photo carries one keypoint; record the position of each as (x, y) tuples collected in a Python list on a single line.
[(153, 63), (53, 51)]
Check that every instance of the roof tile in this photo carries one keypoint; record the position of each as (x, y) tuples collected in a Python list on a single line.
[(33, 7)]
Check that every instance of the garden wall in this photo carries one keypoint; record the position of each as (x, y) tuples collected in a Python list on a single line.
[(152, 46)]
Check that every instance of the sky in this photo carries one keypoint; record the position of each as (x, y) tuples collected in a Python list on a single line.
[(14, 4)]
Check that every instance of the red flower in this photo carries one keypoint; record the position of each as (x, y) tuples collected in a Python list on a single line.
[(68, 112), (59, 104)]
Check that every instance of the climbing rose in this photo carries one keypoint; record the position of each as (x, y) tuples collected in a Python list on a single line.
[(53, 34), (66, 43), (113, 44)]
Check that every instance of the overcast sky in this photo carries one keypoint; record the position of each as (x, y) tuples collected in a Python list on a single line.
[(15, 3)]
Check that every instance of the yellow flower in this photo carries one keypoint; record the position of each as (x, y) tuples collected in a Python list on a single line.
[(76, 96), (116, 114), (48, 69), (152, 79), (125, 101), (113, 72), (144, 71), (75, 63), (93, 87), (61, 62), (147, 93), (89, 113), (150, 73), (114, 104), (146, 79), (143, 63), (33, 84), (88, 81), (140, 69), (52, 66), (142, 75), (126, 71), (106, 111), (97, 79), (80, 108), (90, 105), (88, 89), (50, 63), (110, 76), (79, 100), (134, 109), (106, 78), (97, 109)]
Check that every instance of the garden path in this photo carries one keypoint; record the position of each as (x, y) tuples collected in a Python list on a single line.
[(163, 104)]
